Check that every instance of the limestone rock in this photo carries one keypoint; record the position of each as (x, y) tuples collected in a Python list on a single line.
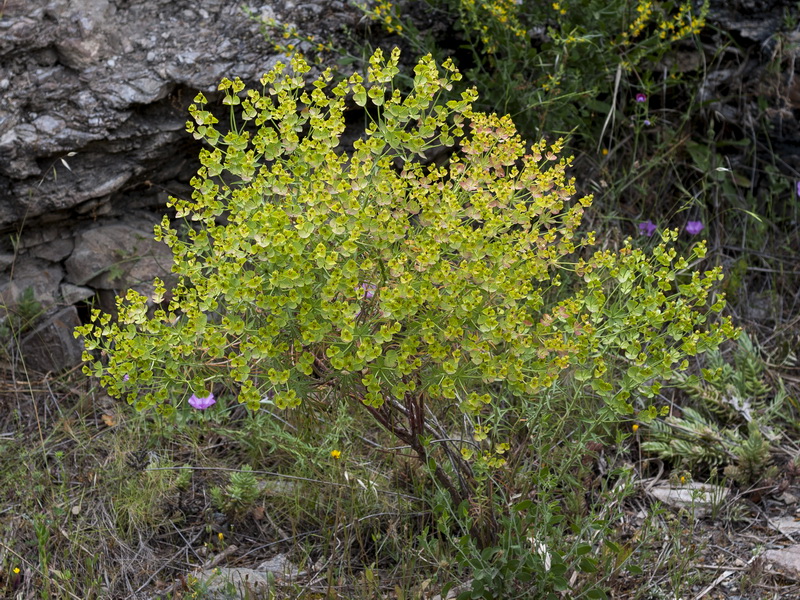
[(42, 277), (785, 561), (788, 525), (72, 294), (224, 583), (52, 345), (95, 91), (280, 566), (118, 257), (54, 251), (698, 498)]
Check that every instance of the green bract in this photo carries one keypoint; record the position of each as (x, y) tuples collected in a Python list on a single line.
[(387, 280)]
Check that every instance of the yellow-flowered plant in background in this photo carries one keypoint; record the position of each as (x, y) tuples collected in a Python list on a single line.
[(480, 16), (545, 62), (287, 40), (485, 17), (651, 17), (630, 34), (644, 11), (386, 13)]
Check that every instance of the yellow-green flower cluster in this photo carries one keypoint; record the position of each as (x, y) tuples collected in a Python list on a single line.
[(484, 18)]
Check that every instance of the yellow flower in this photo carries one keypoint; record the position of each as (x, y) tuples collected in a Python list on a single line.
[(605, 152), (16, 570), (336, 454), (221, 536), (635, 428)]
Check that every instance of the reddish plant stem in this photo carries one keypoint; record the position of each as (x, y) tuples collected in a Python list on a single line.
[(414, 408)]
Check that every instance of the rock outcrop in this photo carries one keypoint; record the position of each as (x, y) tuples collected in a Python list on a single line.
[(92, 139), (95, 94)]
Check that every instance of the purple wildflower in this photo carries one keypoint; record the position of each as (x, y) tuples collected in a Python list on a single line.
[(694, 227), (126, 377), (369, 290), (798, 188), (647, 228), (202, 403), (641, 97), (647, 122)]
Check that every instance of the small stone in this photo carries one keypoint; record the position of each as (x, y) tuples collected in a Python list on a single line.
[(786, 561), (247, 583), (280, 565), (786, 525), (55, 251), (700, 498), (72, 294)]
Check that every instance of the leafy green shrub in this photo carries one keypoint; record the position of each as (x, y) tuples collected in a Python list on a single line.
[(402, 288), (239, 495), (694, 440), (731, 397)]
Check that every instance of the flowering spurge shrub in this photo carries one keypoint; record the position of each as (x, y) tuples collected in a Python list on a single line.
[(402, 287)]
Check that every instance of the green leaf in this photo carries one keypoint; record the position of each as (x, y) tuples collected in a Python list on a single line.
[(560, 584), (587, 565)]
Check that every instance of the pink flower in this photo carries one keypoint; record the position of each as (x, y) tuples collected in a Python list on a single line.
[(369, 290), (694, 227), (647, 228), (641, 97), (202, 403)]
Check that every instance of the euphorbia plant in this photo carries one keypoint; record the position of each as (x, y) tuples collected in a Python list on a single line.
[(400, 286)]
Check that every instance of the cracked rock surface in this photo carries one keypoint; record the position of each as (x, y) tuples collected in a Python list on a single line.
[(95, 91)]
